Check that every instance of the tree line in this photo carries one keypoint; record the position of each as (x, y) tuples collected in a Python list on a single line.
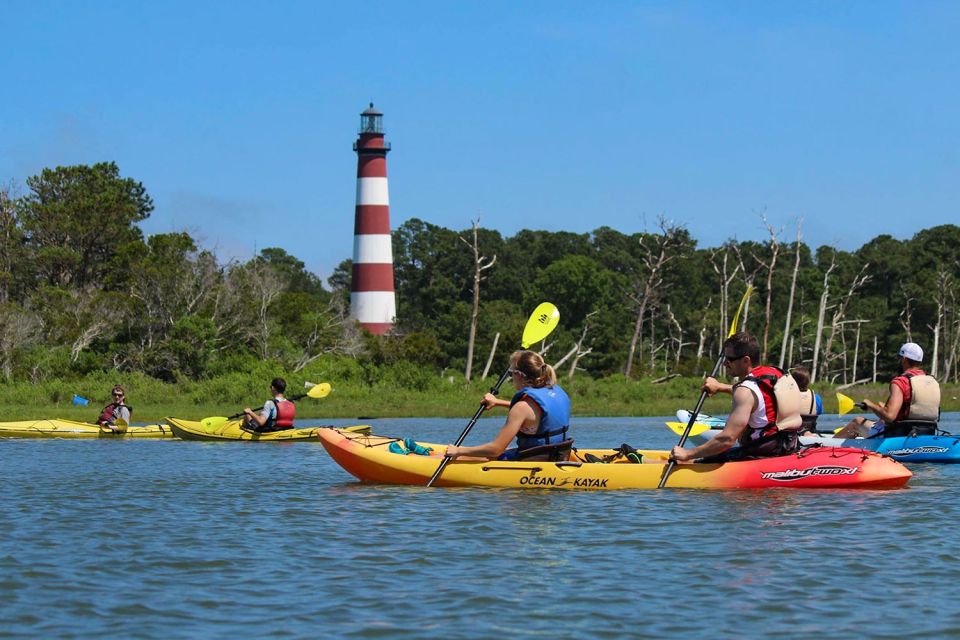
[(82, 289)]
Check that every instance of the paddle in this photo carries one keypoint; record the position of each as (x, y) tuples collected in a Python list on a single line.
[(321, 390), (698, 428), (119, 427), (541, 323), (703, 395), (846, 404)]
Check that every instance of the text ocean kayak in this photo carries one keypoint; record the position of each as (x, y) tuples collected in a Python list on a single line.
[(190, 430), (70, 429), (941, 449), (368, 458)]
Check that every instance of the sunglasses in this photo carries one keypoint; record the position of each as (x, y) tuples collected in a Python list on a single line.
[(118, 395), (729, 359)]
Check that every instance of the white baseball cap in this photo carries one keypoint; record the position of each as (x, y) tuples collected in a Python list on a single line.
[(912, 351)]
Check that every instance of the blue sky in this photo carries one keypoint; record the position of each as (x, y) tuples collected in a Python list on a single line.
[(239, 117)]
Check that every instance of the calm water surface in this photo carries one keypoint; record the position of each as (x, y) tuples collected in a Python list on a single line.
[(173, 539)]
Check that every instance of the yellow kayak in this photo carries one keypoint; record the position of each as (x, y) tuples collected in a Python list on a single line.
[(230, 430), (71, 429)]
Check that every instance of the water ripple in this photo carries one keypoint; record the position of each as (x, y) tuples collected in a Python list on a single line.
[(121, 539)]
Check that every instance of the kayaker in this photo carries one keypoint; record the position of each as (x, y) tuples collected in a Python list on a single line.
[(118, 409), (538, 417), (811, 404), (277, 413), (765, 418), (912, 406)]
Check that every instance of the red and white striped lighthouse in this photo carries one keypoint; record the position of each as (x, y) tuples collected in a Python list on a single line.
[(372, 299)]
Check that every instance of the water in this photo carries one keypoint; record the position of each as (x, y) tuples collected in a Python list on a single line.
[(172, 539)]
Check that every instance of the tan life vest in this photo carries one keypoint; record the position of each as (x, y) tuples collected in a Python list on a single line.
[(924, 398), (808, 402), (789, 404)]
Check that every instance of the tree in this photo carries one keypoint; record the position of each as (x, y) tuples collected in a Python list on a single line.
[(657, 250), (793, 290), (77, 218), (480, 264)]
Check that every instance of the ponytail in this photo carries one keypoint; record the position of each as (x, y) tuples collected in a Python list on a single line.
[(534, 370)]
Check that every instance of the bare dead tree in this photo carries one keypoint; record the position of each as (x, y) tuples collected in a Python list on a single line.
[(581, 352), (906, 314), (770, 267), (648, 287), (702, 337), (493, 351), (675, 335), (748, 277), (720, 267), (840, 310), (333, 332), (793, 289), (480, 264), (821, 314)]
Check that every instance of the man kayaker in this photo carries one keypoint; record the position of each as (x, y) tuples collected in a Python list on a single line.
[(765, 418), (811, 404), (538, 416), (277, 413), (116, 410), (912, 406)]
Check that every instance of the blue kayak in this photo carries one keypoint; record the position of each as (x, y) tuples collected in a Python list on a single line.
[(942, 448)]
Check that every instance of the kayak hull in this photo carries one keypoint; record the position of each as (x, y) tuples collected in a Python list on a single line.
[(56, 428), (368, 459), (231, 431), (943, 449)]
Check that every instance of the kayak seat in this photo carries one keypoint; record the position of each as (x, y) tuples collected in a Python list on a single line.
[(909, 428), (547, 452)]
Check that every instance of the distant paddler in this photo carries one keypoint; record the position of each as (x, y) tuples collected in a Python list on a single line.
[(765, 419), (115, 416), (912, 406), (276, 414)]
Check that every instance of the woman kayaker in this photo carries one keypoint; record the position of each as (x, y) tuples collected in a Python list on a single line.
[(811, 404), (277, 413), (912, 406), (118, 410), (539, 416)]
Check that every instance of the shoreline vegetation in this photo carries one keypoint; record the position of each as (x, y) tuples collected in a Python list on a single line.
[(450, 397)]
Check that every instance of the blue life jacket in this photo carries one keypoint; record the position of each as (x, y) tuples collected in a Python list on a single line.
[(555, 405)]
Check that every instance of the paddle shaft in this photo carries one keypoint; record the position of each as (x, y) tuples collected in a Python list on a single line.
[(693, 419), (299, 396), (463, 436)]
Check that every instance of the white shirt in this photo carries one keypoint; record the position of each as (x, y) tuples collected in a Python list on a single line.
[(758, 419)]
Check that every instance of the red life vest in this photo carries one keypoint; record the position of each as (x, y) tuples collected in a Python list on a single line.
[(286, 409), (106, 415), (766, 377)]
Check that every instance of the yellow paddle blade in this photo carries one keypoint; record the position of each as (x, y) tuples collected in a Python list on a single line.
[(845, 404), (321, 390), (743, 303), (213, 423), (679, 427), (542, 322)]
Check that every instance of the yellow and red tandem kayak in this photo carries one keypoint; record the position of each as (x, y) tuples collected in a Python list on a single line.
[(70, 429), (368, 458), (230, 430)]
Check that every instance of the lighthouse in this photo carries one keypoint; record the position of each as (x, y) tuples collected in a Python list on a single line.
[(372, 299)]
